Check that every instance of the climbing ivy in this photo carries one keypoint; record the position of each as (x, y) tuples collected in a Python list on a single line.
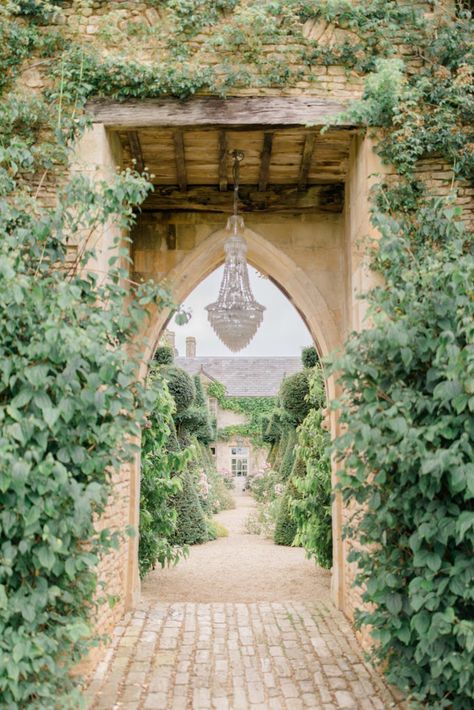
[(254, 408)]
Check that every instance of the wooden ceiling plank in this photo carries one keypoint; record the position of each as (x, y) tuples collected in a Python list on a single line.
[(222, 161), (178, 138), (211, 111), (136, 150), (306, 160), (265, 161)]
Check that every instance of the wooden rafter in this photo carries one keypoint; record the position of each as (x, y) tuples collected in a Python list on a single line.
[(222, 161), (178, 137), (136, 150), (211, 111), (265, 161), (281, 198), (306, 159)]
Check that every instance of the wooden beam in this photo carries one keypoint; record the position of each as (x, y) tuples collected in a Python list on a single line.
[(222, 161), (136, 150), (211, 111), (265, 161), (281, 198), (180, 158), (306, 158)]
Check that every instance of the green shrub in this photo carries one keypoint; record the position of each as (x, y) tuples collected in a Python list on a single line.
[(181, 387), (289, 456), (272, 454), (70, 410), (191, 527), (285, 528), (200, 399), (161, 464), (309, 357), (217, 529), (194, 421), (293, 396), (311, 478), (281, 448), (408, 411), (164, 355), (222, 498)]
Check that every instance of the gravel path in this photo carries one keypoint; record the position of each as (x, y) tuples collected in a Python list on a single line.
[(239, 568)]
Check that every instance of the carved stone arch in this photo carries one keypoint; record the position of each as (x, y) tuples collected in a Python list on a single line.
[(290, 278)]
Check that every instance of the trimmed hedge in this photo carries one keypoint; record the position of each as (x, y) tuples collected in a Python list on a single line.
[(285, 529), (191, 527), (164, 355), (293, 396), (181, 387), (289, 457), (309, 357)]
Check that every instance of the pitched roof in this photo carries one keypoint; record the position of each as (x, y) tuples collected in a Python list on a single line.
[(244, 376)]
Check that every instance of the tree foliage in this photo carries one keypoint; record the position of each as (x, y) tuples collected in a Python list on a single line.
[(180, 386), (162, 462), (309, 357), (294, 393), (312, 479), (70, 407), (164, 355)]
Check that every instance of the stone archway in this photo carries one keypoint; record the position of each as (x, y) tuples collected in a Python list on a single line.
[(302, 292), (321, 268)]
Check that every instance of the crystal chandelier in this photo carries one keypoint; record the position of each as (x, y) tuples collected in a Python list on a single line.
[(236, 316)]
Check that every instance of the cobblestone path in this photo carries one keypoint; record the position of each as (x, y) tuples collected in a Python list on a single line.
[(255, 654)]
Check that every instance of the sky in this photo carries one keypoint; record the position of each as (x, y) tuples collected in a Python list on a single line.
[(282, 332)]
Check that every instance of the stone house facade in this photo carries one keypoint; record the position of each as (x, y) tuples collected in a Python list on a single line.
[(235, 453)]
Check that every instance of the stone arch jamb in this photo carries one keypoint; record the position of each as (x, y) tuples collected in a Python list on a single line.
[(98, 154), (303, 294)]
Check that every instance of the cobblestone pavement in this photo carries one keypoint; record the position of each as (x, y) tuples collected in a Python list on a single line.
[(261, 656)]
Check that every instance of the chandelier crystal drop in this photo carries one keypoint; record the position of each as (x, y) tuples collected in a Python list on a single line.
[(236, 316)]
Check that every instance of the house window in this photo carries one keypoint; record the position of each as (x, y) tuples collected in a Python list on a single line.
[(239, 460), (213, 450)]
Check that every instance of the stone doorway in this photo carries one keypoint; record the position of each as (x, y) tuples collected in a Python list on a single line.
[(306, 212)]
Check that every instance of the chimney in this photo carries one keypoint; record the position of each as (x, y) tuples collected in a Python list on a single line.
[(190, 347), (169, 338)]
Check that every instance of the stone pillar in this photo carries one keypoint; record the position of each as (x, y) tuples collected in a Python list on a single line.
[(365, 170), (98, 155), (190, 347)]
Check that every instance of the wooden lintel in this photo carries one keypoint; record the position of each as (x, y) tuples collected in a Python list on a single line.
[(306, 158), (211, 111), (178, 138), (136, 150), (265, 161), (278, 199), (222, 161)]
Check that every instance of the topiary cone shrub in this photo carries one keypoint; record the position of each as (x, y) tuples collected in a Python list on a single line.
[(191, 528), (289, 456), (285, 528)]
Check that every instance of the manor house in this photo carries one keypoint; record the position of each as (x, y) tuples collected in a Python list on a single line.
[(233, 451)]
